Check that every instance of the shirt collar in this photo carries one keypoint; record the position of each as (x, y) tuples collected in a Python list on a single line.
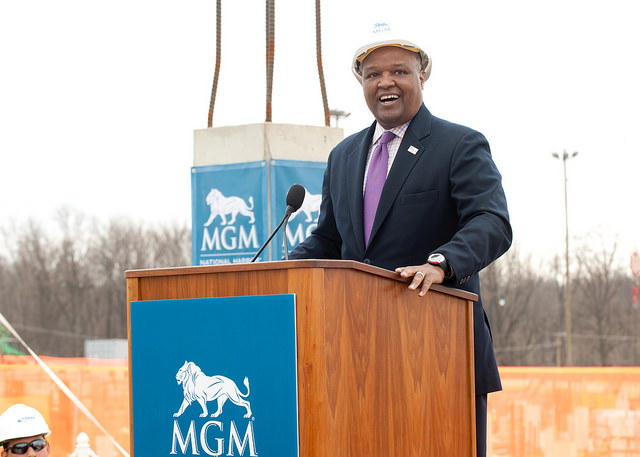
[(398, 131)]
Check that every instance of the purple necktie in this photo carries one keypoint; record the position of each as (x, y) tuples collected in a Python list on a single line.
[(375, 181)]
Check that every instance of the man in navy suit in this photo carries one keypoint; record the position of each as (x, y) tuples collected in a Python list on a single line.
[(440, 216)]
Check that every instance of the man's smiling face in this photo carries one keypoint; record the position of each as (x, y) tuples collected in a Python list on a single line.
[(392, 84)]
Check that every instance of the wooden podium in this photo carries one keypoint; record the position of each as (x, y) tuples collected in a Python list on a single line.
[(381, 371)]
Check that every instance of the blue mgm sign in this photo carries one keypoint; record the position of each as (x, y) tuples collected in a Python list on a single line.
[(214, 389), (236, 206)]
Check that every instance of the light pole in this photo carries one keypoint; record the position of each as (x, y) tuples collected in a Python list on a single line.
[(567, 289), (339, 114)]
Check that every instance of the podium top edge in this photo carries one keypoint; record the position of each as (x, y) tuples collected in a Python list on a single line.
[(286, 265)]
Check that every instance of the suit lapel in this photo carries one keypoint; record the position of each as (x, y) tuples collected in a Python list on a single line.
[(356, 162), (409, 152)]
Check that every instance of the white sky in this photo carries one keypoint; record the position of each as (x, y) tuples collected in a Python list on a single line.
[(99, 99)]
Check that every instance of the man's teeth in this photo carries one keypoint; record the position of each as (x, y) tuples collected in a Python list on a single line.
[(386, 98)]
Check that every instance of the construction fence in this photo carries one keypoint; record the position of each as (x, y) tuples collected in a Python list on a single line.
[(566, 412), (542, 412)]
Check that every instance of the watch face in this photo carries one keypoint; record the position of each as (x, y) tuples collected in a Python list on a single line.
[(436, 258)]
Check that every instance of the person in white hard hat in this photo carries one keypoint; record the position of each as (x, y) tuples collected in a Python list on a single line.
[(414, 194), (23, 431)]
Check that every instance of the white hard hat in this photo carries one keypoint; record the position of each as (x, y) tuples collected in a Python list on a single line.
[(383, 35), (20, 421)]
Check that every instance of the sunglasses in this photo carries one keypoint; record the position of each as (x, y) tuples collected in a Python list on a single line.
[(21, 448)]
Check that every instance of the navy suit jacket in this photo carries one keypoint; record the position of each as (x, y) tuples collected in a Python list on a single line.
[(446, 197)]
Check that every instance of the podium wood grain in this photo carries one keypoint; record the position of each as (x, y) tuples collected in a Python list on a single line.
[(381, 371)]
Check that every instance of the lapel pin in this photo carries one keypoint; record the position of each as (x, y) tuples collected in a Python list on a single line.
[(413, 150)]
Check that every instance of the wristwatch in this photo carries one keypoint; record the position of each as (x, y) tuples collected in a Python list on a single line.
[(438, 260)]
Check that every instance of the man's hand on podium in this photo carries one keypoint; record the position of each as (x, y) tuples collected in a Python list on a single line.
[(423, 276)]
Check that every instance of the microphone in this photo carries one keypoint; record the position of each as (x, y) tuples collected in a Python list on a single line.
[(295, 197)]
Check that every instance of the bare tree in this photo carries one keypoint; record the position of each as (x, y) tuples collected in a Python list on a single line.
[(172, 246), (521, 309), (62, 288), (601, 316)]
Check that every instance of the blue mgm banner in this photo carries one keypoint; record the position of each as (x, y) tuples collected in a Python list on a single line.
[(222, 385), (236, 206)]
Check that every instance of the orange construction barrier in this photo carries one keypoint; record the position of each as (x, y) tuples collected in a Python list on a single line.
[(565, 412), (542, 412), (101, 385)]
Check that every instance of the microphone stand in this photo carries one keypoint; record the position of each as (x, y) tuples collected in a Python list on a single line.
[(287, 214), (284, 235)]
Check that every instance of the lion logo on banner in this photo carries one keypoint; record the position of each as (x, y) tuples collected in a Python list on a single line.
[(202, 388), (222, 206), (310, 204)]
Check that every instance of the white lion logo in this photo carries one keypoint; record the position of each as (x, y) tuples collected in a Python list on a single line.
[(310, 204), (224, 206), (198, 386)]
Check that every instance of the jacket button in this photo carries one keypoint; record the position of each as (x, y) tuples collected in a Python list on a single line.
[(367, 261)]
